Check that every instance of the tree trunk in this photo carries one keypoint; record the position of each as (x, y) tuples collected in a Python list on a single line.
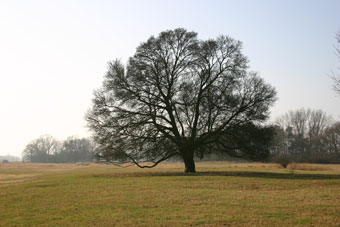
[(188, 158)]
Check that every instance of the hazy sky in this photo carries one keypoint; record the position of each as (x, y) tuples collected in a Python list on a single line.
[(54, 53)]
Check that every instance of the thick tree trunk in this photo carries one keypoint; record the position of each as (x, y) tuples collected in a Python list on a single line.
[(188, 158)]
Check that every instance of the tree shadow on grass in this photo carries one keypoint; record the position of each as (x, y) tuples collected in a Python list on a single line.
[(246, 174), (271, 175)]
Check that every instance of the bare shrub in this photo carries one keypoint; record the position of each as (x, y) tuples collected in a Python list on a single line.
[(83, 163), (292, 166), (283, 160)]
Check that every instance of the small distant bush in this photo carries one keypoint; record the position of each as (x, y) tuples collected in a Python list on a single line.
[(83, 163), (283, 160), (292, 166), (5, 161)]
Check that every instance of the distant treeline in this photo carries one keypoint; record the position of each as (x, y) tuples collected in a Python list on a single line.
[(302, 135), (306, 135), (47, 149)]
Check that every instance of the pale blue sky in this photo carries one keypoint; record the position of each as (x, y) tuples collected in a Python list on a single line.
[(53, 54)]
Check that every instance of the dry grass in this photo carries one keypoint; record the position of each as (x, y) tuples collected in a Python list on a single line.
[(13, 173), (309, 167), (220, 194)]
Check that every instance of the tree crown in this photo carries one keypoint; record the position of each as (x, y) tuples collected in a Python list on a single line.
[(177, 93)]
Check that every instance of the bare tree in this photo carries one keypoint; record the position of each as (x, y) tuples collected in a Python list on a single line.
[(317, 122), (75, 149), (295, 124), (41, 149), (331, 139), (177, 96), (303, 128), (336, 76)]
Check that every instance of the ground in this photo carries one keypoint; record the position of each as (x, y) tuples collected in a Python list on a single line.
[(221, 194)]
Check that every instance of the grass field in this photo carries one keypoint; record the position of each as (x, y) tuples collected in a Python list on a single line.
[(221, 194)]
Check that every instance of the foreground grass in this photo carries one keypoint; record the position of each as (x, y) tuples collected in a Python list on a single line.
[(222, 194)]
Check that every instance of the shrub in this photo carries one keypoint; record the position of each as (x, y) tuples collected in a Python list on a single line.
[(283, 160)]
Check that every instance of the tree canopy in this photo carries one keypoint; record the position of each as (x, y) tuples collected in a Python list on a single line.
[(177, 96)]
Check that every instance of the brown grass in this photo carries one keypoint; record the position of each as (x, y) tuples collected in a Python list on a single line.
[(308, 167), (220, 194)]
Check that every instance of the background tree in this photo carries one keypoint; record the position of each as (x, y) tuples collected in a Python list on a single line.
[(41, 149), (336, 77), (295, 124), (248, 141), (331, 139), (306, 136), (47, 149), (177, 96), (75, 150), (303, 129)]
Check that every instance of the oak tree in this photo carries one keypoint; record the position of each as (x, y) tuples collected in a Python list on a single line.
[(177, 96)]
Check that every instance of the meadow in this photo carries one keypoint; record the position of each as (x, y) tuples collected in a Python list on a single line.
[(220, 194)]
